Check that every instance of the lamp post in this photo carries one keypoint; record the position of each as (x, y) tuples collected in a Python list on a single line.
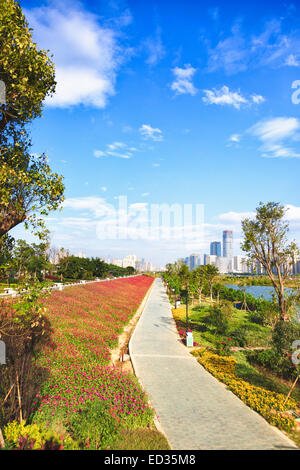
[(189, 335), (173, 290), (184, 294)]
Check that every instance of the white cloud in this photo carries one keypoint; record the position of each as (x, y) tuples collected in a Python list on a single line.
[(154, 48), (224, 96), (231, 54), (183, 80), (273, 133), (257, 99), (275, 129), (116, 149), (116, 145), (86, 53), (151, 133), (292, 61), (235, 138), (242, 50), (99, 153), (235, 217), (83, 203), (292, 213)]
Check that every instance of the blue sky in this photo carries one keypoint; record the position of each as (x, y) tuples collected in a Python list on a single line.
[(168, 102)]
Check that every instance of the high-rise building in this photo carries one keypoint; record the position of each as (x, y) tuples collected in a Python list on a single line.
[(223, 264), (138, 265), (117, 262), (215, 248), (228, 244), (210, 259), (240, 264), (148, 266), (129, 260), (194, 261)]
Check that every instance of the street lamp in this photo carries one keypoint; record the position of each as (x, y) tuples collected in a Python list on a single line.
[(184, 293), (173, 290)]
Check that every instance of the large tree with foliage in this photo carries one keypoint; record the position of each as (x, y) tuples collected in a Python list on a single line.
[(211, 272), (266, 242), (28, 187), (199, 279)]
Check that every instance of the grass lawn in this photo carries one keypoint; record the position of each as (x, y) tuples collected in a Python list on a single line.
[(257, 336), (204, 333), (141, 439)]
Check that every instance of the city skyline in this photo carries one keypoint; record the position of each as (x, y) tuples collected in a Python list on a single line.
[(162, 118)]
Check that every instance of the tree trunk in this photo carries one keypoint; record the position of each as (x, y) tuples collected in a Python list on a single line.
[(282, 306), (9, 221)]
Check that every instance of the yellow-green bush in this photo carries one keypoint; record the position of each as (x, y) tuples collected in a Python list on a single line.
[(257, 398), (14, 432)]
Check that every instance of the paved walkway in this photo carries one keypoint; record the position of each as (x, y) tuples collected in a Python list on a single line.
[(195, 410)]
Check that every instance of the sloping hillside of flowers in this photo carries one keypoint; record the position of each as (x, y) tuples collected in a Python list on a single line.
[(87, 321)]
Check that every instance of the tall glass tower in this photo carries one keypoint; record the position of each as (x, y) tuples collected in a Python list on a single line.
[(215, 248), (228, 244)]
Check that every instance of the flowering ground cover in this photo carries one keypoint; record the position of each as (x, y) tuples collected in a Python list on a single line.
[(87, 321)]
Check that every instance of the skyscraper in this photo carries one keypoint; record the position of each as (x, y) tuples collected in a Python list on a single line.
[(215, 248), (210, 259), (194, 261), (227, 244)]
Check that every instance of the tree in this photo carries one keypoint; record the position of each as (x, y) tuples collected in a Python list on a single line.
[(22, 255), (28, 73), (184, 276), (28, 190), (211, 272), (199, 279), (265, 241), (130, 270), (6, 248), (28, 187)]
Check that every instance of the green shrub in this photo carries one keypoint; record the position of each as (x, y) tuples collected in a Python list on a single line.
[(227, 308), (93, 426), (218, 319), (258, 317), (239, 336), (24, 437), (223, 347), (284, 333), (275, 362)]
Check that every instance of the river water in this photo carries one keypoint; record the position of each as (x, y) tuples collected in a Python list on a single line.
[(263, 291), (260, 291)]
